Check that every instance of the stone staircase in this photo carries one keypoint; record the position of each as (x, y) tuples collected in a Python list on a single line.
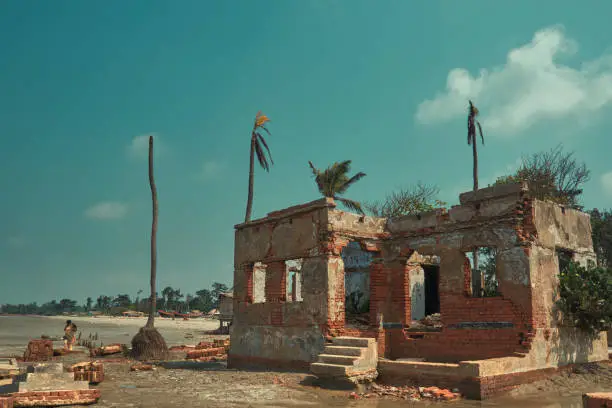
[(352, 359)]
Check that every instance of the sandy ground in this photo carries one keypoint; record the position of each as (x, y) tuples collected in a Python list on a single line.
[(161, 323), (179, 383), (183, 384)]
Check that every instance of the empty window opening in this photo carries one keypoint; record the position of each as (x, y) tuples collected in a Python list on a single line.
[(294, 280), (432, 289), (259, 282), (565, 257), (356, 284), (483, 266), (424, 278)]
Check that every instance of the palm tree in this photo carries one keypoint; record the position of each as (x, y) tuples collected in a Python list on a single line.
[(258, 143), (334, 181), (168, 295), (472, 125), (148, 343), (137, 303)]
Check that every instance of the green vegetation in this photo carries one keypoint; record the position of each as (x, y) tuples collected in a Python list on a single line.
[(601, 222), (334, 181), (203, 300), (406, 201), (584, 297), (553, 175)]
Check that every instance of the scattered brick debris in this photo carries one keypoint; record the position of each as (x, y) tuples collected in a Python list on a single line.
[(407, 393), (141, 367)]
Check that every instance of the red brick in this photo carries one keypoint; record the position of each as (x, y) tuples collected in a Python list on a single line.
[(597, 400), (6, 401)]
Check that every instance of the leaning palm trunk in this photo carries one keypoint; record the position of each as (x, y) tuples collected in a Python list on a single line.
[(249, 207), (148, 343), (475, 154)]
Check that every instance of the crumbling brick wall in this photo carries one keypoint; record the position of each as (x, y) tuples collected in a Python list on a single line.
[(524, 232)]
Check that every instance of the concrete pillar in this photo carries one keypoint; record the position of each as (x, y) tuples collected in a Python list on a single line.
[(400, 291), (276, 282), (247, 295), (293, 287), (379, 287), (335, 291)]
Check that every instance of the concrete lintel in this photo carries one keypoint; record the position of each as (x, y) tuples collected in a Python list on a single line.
[(324, 202)]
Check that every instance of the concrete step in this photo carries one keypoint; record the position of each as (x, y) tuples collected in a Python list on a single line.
[(52, 382), (56, 368), (344, 351), (353, 341), (329, 370), (340, 360)]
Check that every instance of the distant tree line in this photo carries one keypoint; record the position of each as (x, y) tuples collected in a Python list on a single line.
[(169, 299)]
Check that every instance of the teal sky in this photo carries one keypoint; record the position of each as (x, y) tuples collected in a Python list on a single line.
[(384, 83)]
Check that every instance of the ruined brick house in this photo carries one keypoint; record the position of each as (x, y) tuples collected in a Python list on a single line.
[(300, 271)]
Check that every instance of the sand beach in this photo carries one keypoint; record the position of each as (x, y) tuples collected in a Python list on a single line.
[(182, 383)]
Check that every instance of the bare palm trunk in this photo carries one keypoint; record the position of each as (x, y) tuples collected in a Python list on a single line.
[(476, 273), (475, 154), (150, 320), (249, 207)]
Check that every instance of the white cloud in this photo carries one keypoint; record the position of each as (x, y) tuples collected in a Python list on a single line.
[(139, 146), (211, 169), (530, 87), (108, 210), (606, 183)]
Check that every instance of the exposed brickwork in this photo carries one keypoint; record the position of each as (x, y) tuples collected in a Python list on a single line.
[(467, 343), (249, 278), (379, 288), (39, 350), (6, 401), (399, 309), (93, 373), (467, 277), (55, 398), (525, 232), (193, 354), (276, 282), (597, 400)]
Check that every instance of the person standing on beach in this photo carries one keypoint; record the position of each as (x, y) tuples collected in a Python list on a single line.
[(69, 335)]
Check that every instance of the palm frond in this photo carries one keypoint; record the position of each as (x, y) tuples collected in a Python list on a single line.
[(261, 157), (266, 129), (315, 172), (337, 176), (350, 204), (342, 189), (266, 146), (480, 131), (318, 178)]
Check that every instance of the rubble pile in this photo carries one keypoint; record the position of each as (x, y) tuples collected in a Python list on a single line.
[(406, 393), (209, 351), (39, 350)]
